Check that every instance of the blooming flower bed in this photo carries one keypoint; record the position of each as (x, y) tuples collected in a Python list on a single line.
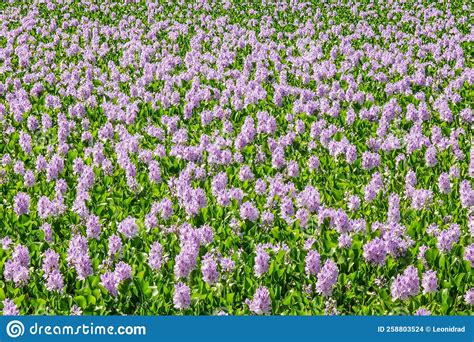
[(217, 157)]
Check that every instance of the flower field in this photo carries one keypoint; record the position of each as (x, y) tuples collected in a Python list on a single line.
[(236, 158)]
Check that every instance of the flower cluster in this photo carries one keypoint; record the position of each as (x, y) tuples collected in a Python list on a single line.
[(224, 149), (408, 284), (16, 269)]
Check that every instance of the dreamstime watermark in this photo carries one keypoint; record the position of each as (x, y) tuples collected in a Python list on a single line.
[(16, 329)]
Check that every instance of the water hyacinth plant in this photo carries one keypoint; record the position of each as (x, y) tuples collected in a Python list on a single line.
[(236, 157)]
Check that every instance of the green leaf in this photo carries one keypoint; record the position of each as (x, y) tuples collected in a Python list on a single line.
[(230, 298), (81, 301), (91, 300)]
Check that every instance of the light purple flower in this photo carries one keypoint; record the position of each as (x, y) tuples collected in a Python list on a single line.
[(353, 203), (16, 269), (78, 256), (21, 203), (344, 241), (248, 211), (76, 311), (469, 254), (123, 271), (93, 227), (128, 227), (261, 302), (421, 198), (114, 245), (327, 278), (466, 194), (313, 163), (406, 284), (209, 269), (227, 265), (55, 281), (312, 263), (429, 282), (375, 251), (10, 308), (155, 257), (469, 296), (181, 296), (422, 312), (110, 282), (262, 260), (448, 237), (5, 242), (444, 184)]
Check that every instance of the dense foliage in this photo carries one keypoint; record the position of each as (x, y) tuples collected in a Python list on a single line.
[(217, 157)]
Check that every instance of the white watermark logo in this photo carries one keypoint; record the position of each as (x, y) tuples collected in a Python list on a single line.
[(15, 329)]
